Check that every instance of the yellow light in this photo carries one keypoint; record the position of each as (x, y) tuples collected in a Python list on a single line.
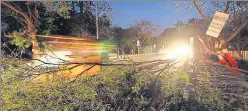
[(178, 52)]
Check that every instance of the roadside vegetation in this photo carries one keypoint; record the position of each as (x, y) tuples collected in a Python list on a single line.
[(115, 88), (118, 87)]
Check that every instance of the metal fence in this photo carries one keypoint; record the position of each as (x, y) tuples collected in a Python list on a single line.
[(235, 54)]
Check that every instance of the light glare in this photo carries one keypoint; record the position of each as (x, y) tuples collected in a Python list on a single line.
[(178, 52)]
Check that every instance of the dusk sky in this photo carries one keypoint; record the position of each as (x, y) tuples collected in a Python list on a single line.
[(164, 14)]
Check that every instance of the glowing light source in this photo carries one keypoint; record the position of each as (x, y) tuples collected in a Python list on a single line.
[(178, 52)]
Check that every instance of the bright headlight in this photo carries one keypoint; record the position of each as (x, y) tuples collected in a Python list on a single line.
[(178, 52)]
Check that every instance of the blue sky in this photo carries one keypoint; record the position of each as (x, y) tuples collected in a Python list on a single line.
[(165, 14)]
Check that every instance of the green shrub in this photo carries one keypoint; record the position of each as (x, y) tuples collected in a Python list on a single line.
[(115, 88)]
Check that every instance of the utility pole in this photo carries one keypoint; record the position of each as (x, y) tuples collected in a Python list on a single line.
[(190, 89), (154, 48), (1, 69), (97, 25), (97, 20), (138, 44)]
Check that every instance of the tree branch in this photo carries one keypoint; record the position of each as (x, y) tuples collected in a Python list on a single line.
[(82, 63), (82, 73), (205, 47), (198, 36), (37, 22), (237, 31), (18, 19), (29, 10), (47, 72), (16, 9), (25, 15), (227, 6), (200, 12)]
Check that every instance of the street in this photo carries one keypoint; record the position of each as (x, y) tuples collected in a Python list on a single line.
[(153, 57), (150, 57)]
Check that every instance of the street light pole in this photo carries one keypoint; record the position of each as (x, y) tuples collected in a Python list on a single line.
[(1, 70), (97, 26), (96, 20), (154, 48), (138, 44)]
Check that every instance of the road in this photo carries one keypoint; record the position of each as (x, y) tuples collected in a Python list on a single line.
[(153, 61), (153, 57), (150, 57)]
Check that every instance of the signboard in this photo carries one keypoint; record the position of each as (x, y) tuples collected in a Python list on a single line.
[(138, 43), (217, 24)]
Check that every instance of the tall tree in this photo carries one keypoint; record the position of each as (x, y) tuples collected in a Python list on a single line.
[(27, 13), (83, 19), (143, 30), (237, 11)]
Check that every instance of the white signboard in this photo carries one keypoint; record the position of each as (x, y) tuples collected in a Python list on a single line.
[(138, 43), (217, 24)]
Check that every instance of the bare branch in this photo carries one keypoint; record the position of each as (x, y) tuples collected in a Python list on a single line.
[(82, 73), (37, 22), (84, 63), (198, 36), (18, 19), (47, 72), (97, 63), (200, 12), (16, 9), (237, 31), (28, 21), (227, 6), (29, 10), (205, 47)]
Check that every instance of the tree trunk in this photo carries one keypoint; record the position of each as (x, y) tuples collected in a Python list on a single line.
[(31, 27), (35, 45)]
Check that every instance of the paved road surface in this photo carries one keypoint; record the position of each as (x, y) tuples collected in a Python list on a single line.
[(175, 61), (151, 57)]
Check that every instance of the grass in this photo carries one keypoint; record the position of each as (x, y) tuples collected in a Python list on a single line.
[(115, 88)]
